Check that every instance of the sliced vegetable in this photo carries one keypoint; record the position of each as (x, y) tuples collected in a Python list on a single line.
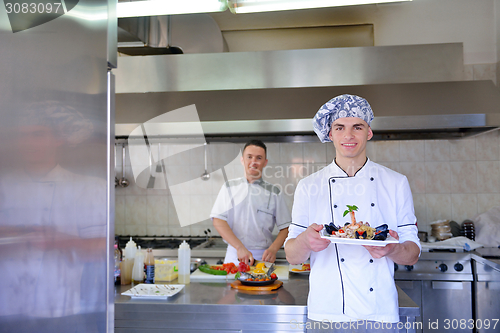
[(209, 270)]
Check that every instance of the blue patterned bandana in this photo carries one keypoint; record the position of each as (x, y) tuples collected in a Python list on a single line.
[(340, 107)]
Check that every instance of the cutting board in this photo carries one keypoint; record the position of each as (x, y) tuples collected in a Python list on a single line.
[(281, 271), (237, 285)]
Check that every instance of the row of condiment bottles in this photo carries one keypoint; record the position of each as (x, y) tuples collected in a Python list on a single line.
[(135, 267)]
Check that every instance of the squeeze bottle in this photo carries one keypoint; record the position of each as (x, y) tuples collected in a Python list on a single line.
[(138, 271), (184, 263)]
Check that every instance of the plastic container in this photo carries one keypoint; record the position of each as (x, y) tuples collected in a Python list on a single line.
[(165, 270), (149, 262), (127, 264), (184, 267), (138, 270)]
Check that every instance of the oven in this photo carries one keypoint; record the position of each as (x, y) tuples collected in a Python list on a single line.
[(441, 284)]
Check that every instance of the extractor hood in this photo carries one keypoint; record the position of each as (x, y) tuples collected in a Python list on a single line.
[(416, 91)]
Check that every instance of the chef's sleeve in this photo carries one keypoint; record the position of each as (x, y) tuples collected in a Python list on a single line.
[(300, 211), (222, 205), (407, 221)]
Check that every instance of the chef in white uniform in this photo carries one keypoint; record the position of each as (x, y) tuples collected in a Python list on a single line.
[(351, 286), (247, 209)]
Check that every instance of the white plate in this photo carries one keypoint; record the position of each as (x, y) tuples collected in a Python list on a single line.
[(156, 291), (353, 241), (291, 267)]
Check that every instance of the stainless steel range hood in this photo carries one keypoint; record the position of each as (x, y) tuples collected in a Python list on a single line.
[(416, 91)]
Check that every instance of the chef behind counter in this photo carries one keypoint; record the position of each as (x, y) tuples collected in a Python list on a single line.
[(247, 209)]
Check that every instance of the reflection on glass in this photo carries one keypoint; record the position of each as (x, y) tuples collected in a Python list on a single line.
[(52, 227)]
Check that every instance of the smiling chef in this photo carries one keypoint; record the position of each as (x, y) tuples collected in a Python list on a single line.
[(351, 283), (247, 209)]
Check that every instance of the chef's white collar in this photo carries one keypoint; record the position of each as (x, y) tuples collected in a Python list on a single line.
[(337, 171)]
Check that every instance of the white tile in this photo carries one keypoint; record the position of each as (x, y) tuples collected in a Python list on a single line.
[(314, 152), (437, 150), (273, 152), (136, 230), (415, 172), (371, 150), (221, 154), (182, 206), (179, 154), (157, 230), (119, 230), (464, 177), (438, 206), (291, 153), (180, 231), (136, 210), (178, 178), (463, 206), (462, 149), (468, 72), (200, 207), (173, 220), (437, 177), (120, 211), (488, 176), (484, 72), (487, 146), (486, 201), (412, 151), (157, 210), (388, 151)]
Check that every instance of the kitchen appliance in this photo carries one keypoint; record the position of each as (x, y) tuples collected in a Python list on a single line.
[(58, 111), (487, 291), (441, 284)]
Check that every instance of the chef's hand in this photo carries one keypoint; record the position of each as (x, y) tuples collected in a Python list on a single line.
[(245, 256), (378, 252), (269, 255), (312, 239)]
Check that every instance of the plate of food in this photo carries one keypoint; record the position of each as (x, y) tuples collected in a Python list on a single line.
[(153, 291), (357, 232), (300, 269), (263, 281)]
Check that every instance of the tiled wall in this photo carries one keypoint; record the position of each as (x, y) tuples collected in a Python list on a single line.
[(450, 179)]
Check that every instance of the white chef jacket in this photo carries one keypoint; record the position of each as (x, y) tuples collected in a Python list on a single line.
[(345, 282), (251, 210)]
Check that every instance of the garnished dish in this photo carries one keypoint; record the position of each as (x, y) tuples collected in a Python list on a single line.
[(260, 275), (355, 230), (300, 269)]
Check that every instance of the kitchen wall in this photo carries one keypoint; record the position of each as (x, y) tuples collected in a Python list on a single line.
[(450, 179)]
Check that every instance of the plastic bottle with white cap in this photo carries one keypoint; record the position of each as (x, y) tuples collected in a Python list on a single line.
[(184, 263)]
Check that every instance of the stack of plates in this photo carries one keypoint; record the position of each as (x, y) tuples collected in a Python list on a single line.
[(441, 229)]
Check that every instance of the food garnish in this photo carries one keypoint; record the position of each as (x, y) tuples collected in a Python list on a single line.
[(357, 230)]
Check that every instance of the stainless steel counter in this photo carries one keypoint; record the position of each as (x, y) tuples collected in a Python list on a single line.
[(216, 307)]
